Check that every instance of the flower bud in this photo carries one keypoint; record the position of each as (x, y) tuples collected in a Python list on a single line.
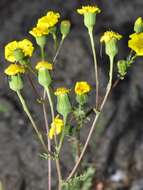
[(138, 26), (122, 68), (65, 28), (110, 38), (63, 102), (44, 77), (111, 48), (18, 54), (15, 82), (63, 105), (41, 41), (82, 99), (89, 20)]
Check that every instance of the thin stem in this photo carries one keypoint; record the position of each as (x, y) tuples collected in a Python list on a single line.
[(51, 103), (109, 85), (48, 141), (31, 120), (57, 159), (90, 31), (58, 51), (42, 52)]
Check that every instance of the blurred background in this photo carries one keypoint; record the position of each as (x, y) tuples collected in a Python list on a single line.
[(118, 155)]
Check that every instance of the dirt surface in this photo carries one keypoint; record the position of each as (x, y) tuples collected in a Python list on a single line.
[(119, 151)]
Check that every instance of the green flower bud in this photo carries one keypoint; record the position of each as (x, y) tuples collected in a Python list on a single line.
[(111, 48), (44, 77), (89, 20), (82, 99), (65, 28), (19, 55), (138, 26), (15, 82), (122, 68), (41, 41), (63, 105)]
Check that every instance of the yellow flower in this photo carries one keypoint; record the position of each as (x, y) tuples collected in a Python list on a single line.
[(49, 20), (14, 69), (56, 127), (109, 35), (39, 31), (82, 88), (61, 91), (44, 65), (88, 9), (25, 45), (136, 43)]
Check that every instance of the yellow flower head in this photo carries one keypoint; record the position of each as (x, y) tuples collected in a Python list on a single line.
[(136, 43), (88, 9), (49, 20), (82, 88), (39, 31), (56, 127), (44, 65), (14, 69), (109, 35), (61, 91), (25, 45)]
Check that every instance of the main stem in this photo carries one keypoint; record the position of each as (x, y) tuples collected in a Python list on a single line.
[(48, 142), (57, 159), (90, 31), (31, 120), (109, 85)]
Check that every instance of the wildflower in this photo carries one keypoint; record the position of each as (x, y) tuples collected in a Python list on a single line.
[(49, 20), (39, 31), (89, 13), (136, 43), (61, 91), (110, 38), (63, 102), (44, 65), (110, 35), (56, 127), (65, 28), (82, 88), (88, 9), (14, 69), (25, 46), (14, 72), (138, 26), (44, 77)]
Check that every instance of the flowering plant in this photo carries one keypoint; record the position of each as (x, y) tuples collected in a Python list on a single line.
[(64, 112)]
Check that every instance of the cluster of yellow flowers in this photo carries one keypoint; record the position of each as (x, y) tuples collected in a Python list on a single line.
[(25, 46), (45, 23), (18, 51)]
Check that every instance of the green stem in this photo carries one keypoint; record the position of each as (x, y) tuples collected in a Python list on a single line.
[(109, 86), (48, 142), (58, 51), (90, 31), (50, 102), (57, 159), (42, 53), (25, 108)]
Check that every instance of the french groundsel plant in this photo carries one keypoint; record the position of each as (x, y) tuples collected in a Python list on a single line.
[(65, 113)]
